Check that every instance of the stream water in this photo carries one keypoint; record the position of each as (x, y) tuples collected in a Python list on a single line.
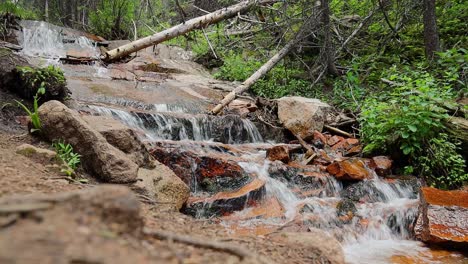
[(379, 232)]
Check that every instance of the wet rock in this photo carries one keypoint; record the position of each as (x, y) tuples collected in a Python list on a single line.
[(319, 140), (280, 153), (321, 247), (302, 116), (382, 165), (278, 170), (39, 155), (107, 162), (363, 191), (160, 183), (346, 207), (443, 218), (211, 173), (349, 170), (335, 140), (123, 138), (225, 203)]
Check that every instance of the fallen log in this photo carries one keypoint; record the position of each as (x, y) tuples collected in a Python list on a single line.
[(170, 33), (270, 64)]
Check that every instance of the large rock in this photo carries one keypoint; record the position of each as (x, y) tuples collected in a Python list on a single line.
[(101, 158), (302, 116), (225, 203), (164, 186), (123, 138), (350, 169), (443, 218), (322, 248), (280, 153)]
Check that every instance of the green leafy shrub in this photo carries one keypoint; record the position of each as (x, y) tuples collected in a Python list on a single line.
[(441, 164), (408, 121)]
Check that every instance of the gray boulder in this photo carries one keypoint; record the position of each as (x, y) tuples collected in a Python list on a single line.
[(302, 116)]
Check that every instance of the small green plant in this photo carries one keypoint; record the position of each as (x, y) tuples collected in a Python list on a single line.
[(68, 156), (440, 163), (34, 114)]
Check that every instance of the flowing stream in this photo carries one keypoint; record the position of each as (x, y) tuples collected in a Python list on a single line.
[(381, 227)]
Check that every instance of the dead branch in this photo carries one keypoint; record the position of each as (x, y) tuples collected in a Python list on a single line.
[(338, 131), (195, 23)]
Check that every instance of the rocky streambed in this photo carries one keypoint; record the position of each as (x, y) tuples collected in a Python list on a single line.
[(143, 123)]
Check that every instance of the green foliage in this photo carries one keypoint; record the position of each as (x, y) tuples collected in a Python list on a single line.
[(66, 154), (408, 121), (34, 114), (17, 10), (236, 68), (113, 18), (41, 78), (441, 164), (280, 81)]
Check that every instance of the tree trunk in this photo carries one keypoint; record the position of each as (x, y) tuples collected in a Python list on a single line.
[(262, 71), (180, 29), (328, 53), (46, 10), (431, 37)]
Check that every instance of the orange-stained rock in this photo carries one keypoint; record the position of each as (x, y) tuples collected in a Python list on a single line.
[(280, 153), (319, 138), (335, 140), (352, 141), (350, 169), (354, 150), (323, 158), (268, 208), (192, 167), (443, 218), (382, 165), (225, 203)]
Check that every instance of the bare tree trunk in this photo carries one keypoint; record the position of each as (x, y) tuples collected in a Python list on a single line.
[(46, 10), (195, 23), (328, 53), (431, 37)]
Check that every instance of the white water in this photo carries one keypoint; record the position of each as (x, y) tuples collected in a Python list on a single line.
[(44, 40), (160, 126), (374, 243)]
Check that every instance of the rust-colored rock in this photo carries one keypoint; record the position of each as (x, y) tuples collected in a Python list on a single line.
[(350, 169), (335, 140), (224, 203), (280, 153), (443, 218), (211, 172), (319, 139), (382, 165)]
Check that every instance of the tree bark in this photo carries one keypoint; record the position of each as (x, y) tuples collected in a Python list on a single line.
[(195, 23), (431, 37), (328, 53)]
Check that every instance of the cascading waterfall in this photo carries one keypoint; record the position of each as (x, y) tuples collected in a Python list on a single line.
[(41, 39), (385, 232), (161, 126)]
